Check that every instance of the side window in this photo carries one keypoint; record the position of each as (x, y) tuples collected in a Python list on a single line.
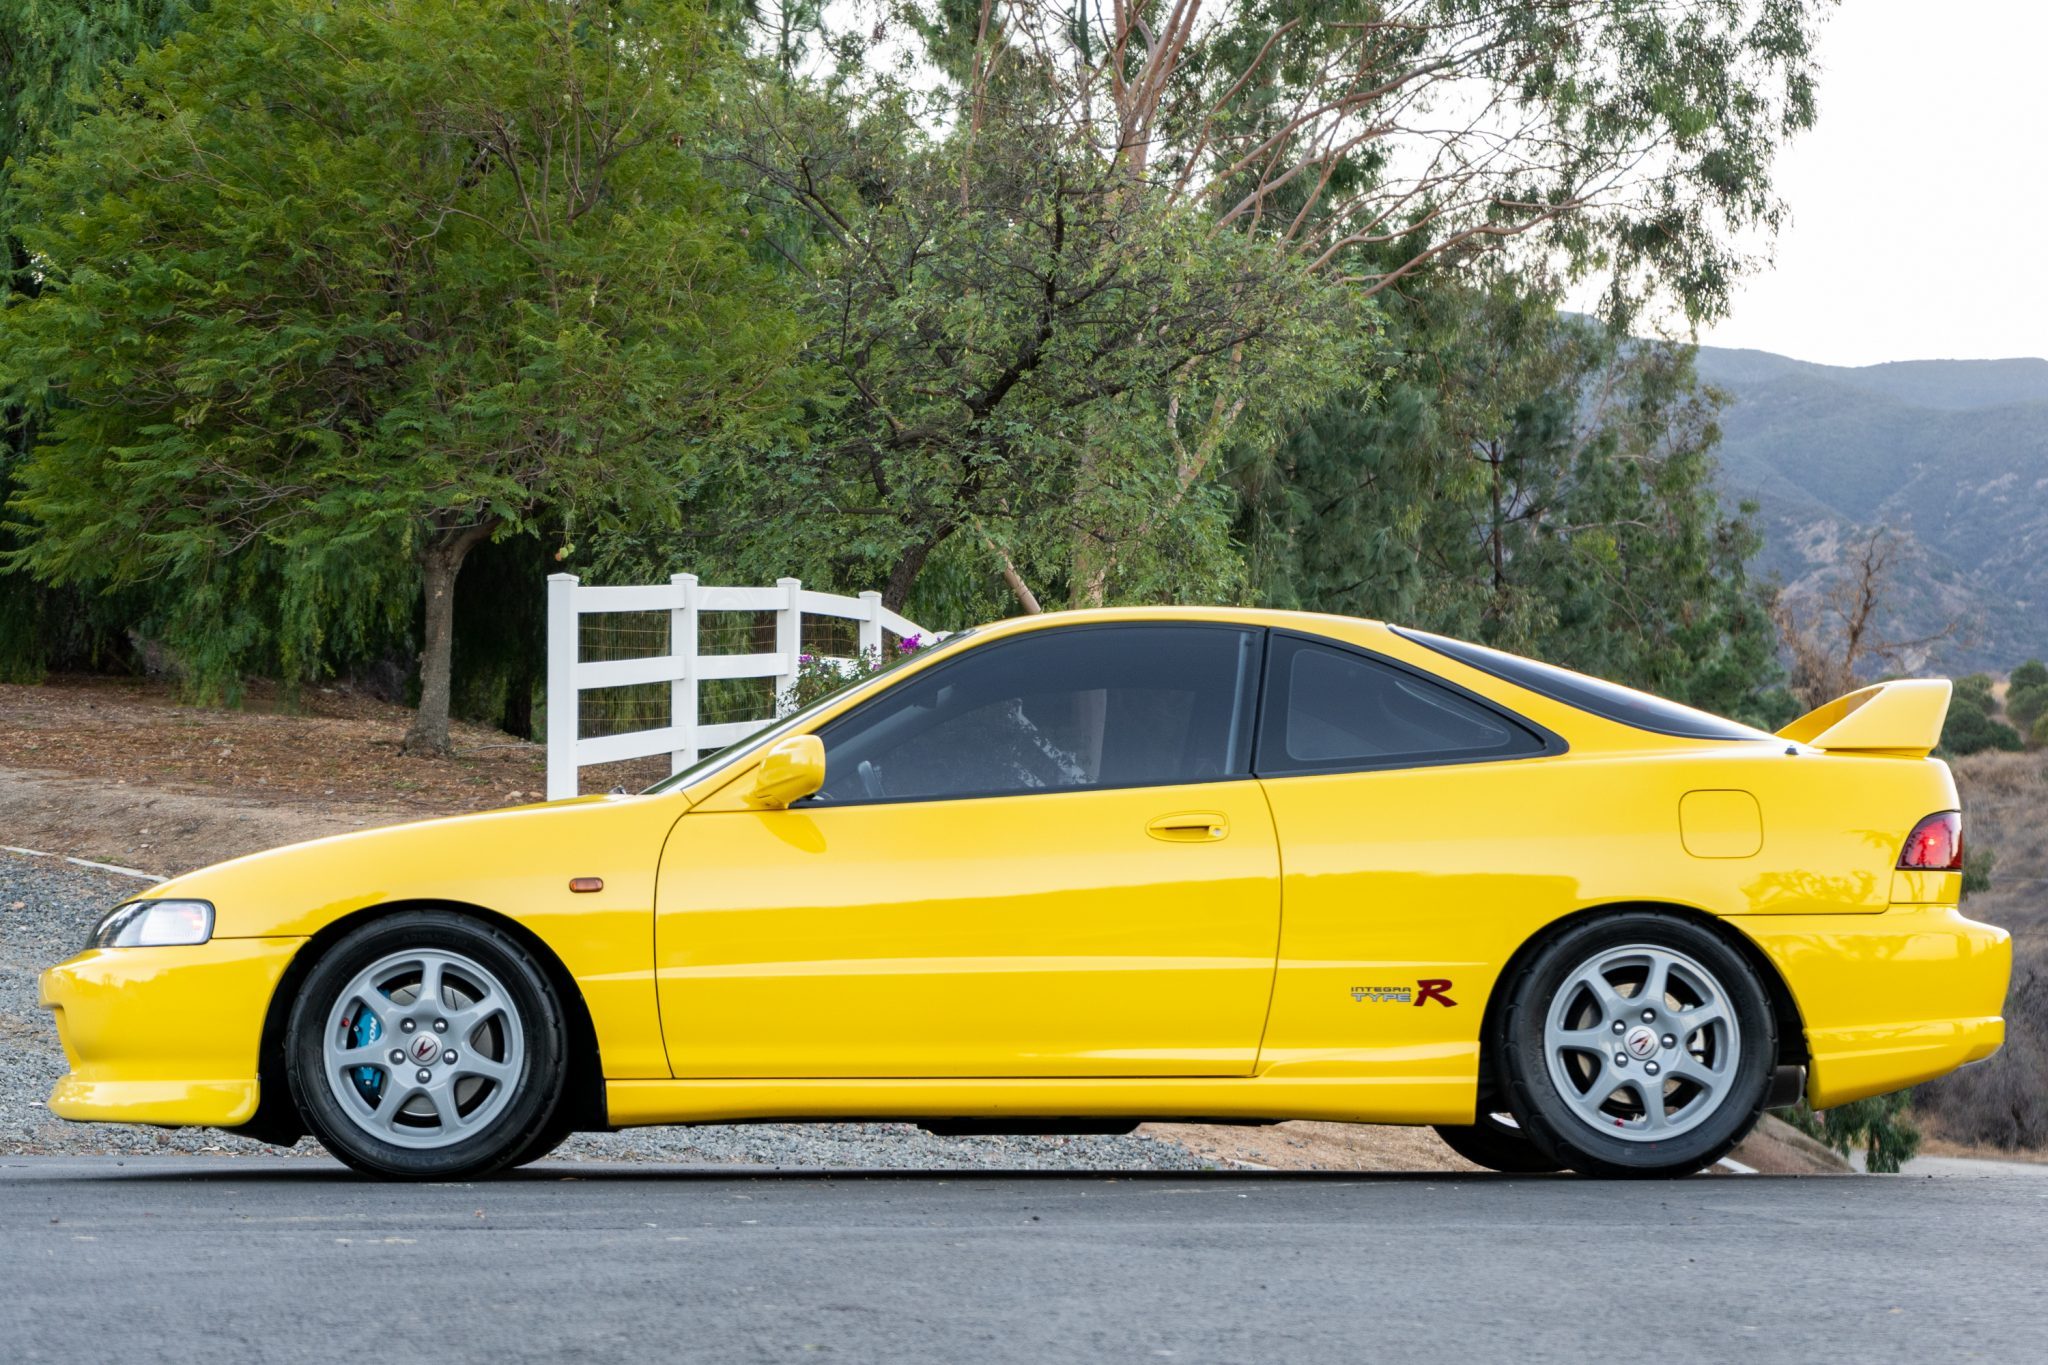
[(1084, 706), (1331, 710)]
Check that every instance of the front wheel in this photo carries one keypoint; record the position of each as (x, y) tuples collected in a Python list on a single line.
[(427, 1045), (1637, 1045)]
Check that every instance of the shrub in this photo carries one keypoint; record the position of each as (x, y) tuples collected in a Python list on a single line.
[(2026, 703), (819, 676), (1970, 729), (2032, 673), (1881, 1124)]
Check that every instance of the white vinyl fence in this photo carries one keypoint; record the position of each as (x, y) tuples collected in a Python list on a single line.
[(682, 667)]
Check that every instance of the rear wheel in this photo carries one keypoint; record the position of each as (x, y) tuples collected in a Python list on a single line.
[(1638, 1045), (1498, 1143), (427, 1045)]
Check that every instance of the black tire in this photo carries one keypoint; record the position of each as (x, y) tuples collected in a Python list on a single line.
[(524, 1114), (554, 1135), (1498, 1143), (1564, 1126)]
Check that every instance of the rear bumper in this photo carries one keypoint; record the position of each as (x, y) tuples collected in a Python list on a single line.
[(164, 1035), (1891, 999)]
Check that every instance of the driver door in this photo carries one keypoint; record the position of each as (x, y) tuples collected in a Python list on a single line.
[(1042, 857)]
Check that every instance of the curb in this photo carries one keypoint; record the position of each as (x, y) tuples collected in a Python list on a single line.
[(84, 862)]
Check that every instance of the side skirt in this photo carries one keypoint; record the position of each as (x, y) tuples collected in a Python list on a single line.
[(1344, 1099)]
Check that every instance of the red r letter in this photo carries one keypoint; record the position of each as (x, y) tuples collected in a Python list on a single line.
[(1433, 990)]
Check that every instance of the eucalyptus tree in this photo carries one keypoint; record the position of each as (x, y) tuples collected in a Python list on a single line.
[(332, 293), (1284, 163)]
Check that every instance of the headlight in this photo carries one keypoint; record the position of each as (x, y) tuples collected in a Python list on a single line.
[(153, 924)]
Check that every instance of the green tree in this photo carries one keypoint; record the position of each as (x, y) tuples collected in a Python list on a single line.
[(52, 54), (2032, 673), (333, 290), (1527, 480), (1069, 266)]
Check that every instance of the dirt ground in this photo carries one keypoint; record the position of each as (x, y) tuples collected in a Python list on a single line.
[(118, 772)]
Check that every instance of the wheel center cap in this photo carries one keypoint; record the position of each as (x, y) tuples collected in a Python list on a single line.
[(425, 1048), (1640, 1042)]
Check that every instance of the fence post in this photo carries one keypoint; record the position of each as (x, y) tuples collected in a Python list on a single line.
[(682, 692), (870, 626), (789, 635), (562, 698)]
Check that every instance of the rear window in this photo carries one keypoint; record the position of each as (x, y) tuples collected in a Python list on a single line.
[(1610, 701)]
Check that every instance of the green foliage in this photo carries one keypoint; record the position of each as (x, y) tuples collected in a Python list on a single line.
[(52, 53), (1882, 1124), (1527, 480), (2032, 673), (1975, 688), (1021, 345), (1969, 728), (2026, 703), (330, 293)]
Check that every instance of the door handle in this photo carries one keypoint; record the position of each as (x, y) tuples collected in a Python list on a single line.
[(1190, 827)]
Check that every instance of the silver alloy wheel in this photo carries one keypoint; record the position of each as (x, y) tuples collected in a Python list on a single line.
[(423, 1049), (1642, 1043)]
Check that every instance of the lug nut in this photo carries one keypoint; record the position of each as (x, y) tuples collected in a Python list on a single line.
[(406, 1026), (1620, 1027), (449, 1056), (1670, 1041), (425, 1076), (1650, 1067), (1621, 1060), (397, 1055), (440, 1026), (1648, 1015)]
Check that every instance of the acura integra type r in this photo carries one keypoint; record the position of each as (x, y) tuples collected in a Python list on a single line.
[(1071, 872)]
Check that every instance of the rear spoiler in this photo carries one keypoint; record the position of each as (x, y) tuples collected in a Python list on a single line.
[(1902, 719)]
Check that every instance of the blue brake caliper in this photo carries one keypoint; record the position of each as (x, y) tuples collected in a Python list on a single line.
[(367, 1029)]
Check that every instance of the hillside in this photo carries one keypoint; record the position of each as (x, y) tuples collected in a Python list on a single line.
[(1952, 454)]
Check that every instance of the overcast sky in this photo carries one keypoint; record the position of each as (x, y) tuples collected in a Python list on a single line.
[(1920, 203)]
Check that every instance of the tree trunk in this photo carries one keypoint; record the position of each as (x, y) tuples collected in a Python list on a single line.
[(909, 565), (440, 561)]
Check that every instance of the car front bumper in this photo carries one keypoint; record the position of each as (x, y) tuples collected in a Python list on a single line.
[(1889, 1000), (164, 1035)]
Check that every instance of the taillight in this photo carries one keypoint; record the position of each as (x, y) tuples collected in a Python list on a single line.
[(1936, 844)]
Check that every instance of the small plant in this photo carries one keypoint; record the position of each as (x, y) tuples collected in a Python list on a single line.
[(1881, 1124), (820, 675)]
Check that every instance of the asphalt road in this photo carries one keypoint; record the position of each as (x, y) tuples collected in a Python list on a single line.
[(205, 1259)]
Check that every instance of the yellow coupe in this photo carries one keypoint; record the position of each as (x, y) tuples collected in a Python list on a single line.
[(1071, 872)]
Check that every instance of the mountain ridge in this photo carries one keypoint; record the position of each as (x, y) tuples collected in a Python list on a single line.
[(1951, 455)]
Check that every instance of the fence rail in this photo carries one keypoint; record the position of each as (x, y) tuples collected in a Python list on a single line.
[(683, 667)]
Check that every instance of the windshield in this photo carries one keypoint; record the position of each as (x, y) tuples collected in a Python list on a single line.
[(773, 730)]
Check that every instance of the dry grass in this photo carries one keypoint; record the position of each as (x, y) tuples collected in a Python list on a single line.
[(2003, 1103)]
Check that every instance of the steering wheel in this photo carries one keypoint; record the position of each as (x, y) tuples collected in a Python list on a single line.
[(870, 780)]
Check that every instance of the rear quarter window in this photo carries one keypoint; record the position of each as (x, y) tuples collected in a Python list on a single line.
[(1609, 701)]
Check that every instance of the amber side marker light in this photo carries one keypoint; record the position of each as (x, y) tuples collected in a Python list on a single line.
[(1935, 845), (586, 883)]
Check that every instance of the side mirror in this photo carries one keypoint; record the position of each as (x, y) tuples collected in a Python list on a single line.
[(792, 769)]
